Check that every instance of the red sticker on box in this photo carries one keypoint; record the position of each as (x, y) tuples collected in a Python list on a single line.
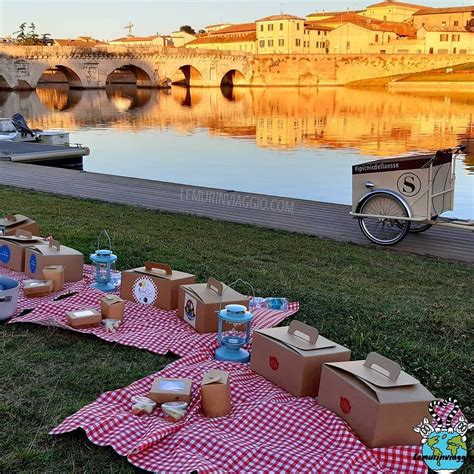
[(273, 362), (345, 405)]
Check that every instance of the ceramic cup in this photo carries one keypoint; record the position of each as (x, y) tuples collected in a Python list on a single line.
[(9, 291)]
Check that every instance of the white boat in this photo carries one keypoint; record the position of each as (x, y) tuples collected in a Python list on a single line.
[(18, 142), (18, 131)]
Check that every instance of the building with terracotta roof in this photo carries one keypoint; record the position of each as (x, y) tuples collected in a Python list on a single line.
[(79, 42), (449, 17), (240, 28), (152, 40), (281, 34), (243, 42), (215, 28), (180, 38), (446, 39), (392, 10), (323, 15)]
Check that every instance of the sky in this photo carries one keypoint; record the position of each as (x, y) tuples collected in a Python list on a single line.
[(106, 19)]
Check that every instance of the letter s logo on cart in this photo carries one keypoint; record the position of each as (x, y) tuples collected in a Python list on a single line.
[(345, 405), (5, 254), (273, 363), (409, 184)]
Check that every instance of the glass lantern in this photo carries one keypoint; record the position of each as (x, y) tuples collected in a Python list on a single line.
[(104, 261), (231, 341)]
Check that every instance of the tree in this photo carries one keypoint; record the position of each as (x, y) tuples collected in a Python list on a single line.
[(20, 34), (187, 29), (31, 37), (201, 32)]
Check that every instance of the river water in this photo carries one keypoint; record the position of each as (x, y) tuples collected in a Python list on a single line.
[(292, 142)]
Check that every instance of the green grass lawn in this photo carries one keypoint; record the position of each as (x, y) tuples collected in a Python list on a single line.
[(413, 309)]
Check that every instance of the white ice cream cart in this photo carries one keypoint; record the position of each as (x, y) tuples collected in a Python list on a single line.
[(392, 197)]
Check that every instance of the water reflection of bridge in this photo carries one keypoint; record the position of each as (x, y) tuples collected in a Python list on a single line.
[(374, 121)]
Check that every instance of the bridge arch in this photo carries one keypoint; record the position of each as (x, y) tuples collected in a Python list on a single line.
[(188, 76), (131, 74), (233, 77), (58, 74)]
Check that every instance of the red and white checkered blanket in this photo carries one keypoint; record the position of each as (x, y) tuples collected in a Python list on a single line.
[(30, 303), (144, 327), (268, 430)]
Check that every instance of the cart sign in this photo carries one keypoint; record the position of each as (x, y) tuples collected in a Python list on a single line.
[(409, 178)]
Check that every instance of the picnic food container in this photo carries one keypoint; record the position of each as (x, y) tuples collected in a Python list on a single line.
[(112, 307), (56, 274), (215, 393), (142, 405), (376, 398), (13, 247), (171, 390), (39, 256), (199, 303), (35, 288), (174, 411), (9, 291), (154, 284), (292, 357), (13, 222), (84, 318)]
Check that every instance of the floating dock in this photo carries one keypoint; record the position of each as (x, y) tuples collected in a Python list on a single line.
[(30, 152)]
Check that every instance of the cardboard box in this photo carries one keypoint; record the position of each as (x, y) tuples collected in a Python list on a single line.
[(171, 390), (17, 221), (198, 304), (154, 284), (381, 407), (215, 392), (112, 307), (292, 357), (12, 249), (84, 318), (55, 273), (35, 288), (41, 255)]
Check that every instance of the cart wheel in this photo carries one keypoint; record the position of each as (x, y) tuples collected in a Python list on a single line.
[(419, 227), (384, 231)]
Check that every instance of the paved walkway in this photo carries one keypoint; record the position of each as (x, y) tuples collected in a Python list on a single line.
[(296, 215)]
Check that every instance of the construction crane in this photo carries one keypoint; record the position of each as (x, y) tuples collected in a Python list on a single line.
[(129, 28)]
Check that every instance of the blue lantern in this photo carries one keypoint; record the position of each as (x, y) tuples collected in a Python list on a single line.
[(231, 341), (104, 261)]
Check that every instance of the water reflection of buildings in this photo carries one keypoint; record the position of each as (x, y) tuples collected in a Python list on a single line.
[(376, 122)]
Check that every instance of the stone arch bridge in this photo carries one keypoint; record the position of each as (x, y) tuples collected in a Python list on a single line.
[(22, 67), (89, 68)]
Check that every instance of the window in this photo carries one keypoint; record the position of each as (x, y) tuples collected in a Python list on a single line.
[(376, 38), (298, 42), (348, 45), (262, 43), (317, 44), (270, 27), (444, 37), (454, 50), (325, 33), (385, 18), (319, 33), (456, 23), (455, 37), (297, 26), (281, 26), (443, 23), (281, 42), (261, 27), (270, 43)]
